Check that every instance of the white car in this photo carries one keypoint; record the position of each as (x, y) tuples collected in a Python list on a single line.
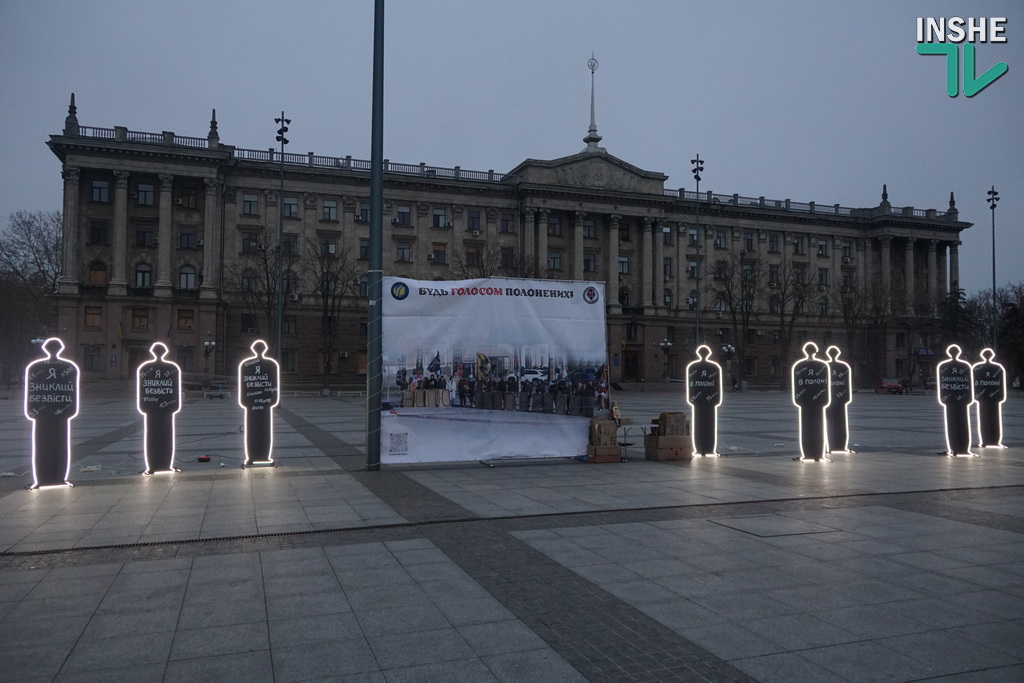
[(530, 374)]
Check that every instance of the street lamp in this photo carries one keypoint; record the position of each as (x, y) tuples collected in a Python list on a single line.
[(283, 123), (993, 199), (698, 167), (728, 351), (208, 347), (666, 346)]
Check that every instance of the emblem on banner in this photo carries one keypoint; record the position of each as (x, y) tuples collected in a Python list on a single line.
[(590, 295), (400, 290)]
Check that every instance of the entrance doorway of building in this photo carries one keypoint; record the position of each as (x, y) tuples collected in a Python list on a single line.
[(631, 366)]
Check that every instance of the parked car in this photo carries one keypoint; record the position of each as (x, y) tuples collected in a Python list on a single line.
[(893, 385), (530, 374)]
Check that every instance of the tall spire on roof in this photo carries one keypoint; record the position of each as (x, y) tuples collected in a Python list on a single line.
[(71, 121), (592, 137)]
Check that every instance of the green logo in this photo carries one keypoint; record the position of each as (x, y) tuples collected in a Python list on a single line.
[(959, 30)]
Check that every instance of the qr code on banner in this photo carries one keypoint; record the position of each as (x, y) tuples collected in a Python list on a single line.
[(399, 443)]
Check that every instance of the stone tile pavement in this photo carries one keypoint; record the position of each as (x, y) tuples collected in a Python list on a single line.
[(893, 563)]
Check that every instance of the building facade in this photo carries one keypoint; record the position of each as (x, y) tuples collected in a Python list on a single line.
[(191, 242)]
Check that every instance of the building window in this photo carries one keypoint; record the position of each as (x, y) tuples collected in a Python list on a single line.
[(364, 249), (439, 218), (589, 262), (145, 236), (248, 280), (404, 215), (508, 257), (799, 275), (624, 297), (632, 330), (248, 321), (250, 205), (143, 275), (773, 274), (750, 366), (823, 306), (97, 273), (188, 197), (186, 319), (721, 270), (823, 277), (666, 236), (364, 286), (720, 241), (623, 265), (691, 269), (901, 340), (187, 237), (748, 242), (691, 300), (290, 325), (330, 210), (98, 232), (554, 226), (589, 229), (186, 277), (667, 297), (507, 222), (822, 247), (473, 221), (93, 316), (364, 212), (403, 252), (92, 358), (473, 255), (250, 242), (291, 207), (798, 245), (666, 268), (289, 360), (328, 247), (140, 318), (720, 306), (439, 253), (774, 304), (145, 194), (773, 244), (290, 245), (554, 260), (187, 358), (847, 280), (691, 237), (847, 248), (290, 285), (101, 191), (798, 306), (624, 232)]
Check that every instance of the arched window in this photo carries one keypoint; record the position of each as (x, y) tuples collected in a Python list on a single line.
[(667, 298), (143, 275), (186, 277), (624, 297), (97, 273), (248, 280)]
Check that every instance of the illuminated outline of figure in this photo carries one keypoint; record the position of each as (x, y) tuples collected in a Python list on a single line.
[(51, 441), (956, 395), (157, 447), (808, 373), (837, 425), (704, 401), (989, 399), (259, 419)]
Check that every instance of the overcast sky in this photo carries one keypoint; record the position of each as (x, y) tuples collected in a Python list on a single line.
[(812, 101)]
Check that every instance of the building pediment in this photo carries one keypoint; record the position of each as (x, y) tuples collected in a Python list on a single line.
[(591, 171)]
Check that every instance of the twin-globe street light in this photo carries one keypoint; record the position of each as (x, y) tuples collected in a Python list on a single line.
[(698, 167), (283, 123), (993, 198)]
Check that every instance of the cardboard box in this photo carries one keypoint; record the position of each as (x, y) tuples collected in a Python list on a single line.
[(668, 448), (674, 424), (603, 454), (602, 433)]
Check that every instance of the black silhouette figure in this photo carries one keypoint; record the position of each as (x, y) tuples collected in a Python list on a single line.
[(989, 393), (51, 402), (956, 394), (812, 395), (158, 398), (704, 394), (836, 422), (259, 378)]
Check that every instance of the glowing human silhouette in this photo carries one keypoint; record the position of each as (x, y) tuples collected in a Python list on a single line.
[(812, 396), (989, 394), (956, 394), (836, 417), (158, 398), (704, 394), (259, 377), (51, 402)]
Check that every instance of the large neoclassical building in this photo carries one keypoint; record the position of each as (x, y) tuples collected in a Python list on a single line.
[(176, 238)]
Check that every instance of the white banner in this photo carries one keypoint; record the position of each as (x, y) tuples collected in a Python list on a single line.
[(490, 368)]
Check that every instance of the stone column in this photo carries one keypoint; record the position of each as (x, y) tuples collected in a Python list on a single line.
[(542, 242), (529, 256), (577, 245), (658, 235), (942, 263), (119, 248), (612, 250), (932, 279), (863, 257), (646, 277), (68, 283), (211, 246), (908, 276), (885, 266), (954, 265), (165, 231)]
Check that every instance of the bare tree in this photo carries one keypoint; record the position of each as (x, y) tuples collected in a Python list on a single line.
[(474, 261), (786, 299), (256, 277), (332, 276), (737, 282)]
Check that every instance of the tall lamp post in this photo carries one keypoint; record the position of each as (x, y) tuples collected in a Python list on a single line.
[(208, 347), (698, 167), (993, 199), (283, 123), (666, 346)]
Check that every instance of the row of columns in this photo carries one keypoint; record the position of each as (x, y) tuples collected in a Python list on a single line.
[(120, 277)]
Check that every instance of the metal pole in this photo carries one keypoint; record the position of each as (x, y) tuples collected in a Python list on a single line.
[(993, 198), (280, 238), (697, 168), (373, 346)]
